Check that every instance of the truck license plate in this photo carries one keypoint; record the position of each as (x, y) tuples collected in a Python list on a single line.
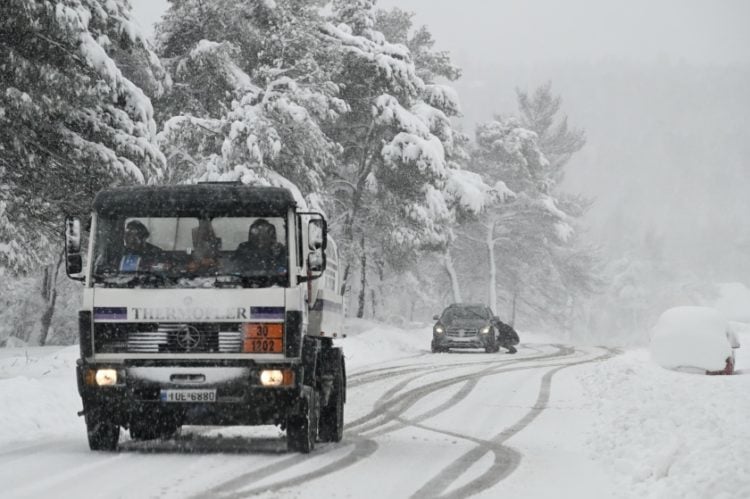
[(188, 395)]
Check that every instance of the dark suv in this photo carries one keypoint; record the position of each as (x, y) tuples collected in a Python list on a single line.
[(469, 325)]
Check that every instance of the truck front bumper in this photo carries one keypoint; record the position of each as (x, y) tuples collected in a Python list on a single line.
[(240, 397)]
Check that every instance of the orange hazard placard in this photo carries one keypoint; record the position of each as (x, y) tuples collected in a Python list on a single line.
[(263, 338)]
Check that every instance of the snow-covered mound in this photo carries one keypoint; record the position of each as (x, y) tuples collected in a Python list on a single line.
[(691, 338)]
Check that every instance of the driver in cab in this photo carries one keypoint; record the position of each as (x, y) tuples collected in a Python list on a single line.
[(138, 251)]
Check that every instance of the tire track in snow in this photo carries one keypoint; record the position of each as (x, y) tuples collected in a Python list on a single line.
[(388, 407), (370, 375), (366, 446), (363, 448), (502, 467)]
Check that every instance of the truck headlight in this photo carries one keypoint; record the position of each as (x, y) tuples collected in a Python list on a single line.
[(485, 330), (439, 330), (106, 377), (276, 377)]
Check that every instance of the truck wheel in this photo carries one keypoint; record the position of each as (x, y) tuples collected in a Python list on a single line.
[(302, 428), (331, 428), (103, 434)]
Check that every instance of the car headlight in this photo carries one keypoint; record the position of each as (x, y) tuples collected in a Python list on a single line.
[(485, 330), (439, 330)]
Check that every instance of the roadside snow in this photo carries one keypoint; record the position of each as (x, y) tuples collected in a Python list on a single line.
[(38, 393), (668, 434), (370, 342), (693, 338)]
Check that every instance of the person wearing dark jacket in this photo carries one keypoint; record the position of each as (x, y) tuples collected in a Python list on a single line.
[(138, 253), (261, 251), (507, 337)]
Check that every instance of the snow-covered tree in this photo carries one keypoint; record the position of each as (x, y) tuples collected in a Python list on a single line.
[(397, 143), (397, 26), (540, 113), (250, 94), (72, 118), (534, 256)]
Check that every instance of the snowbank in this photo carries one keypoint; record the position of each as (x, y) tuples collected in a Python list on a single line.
[(668, 434), (691, 338), (370, 342), (39, 395)]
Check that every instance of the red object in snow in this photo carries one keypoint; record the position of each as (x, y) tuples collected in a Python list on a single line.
[(728, 369)]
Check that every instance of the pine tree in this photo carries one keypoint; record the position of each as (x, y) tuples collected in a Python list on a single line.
[(397, 143), (72, 120), (250, 94)]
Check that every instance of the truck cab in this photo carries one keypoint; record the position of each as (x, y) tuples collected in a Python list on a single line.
[(207, 304)]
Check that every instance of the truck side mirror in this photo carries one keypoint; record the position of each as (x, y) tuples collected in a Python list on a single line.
[(316, 262), (317, 234), (73, 258), (435, 317)]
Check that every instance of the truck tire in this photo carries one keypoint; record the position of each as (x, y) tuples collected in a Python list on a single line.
[(331, 427), (103, 434), (302, 427)]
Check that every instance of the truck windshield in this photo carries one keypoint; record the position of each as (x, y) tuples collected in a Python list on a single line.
[(190, 252)]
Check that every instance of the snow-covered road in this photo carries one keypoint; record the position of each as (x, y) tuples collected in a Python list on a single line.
[(423, 426), (418, 425)]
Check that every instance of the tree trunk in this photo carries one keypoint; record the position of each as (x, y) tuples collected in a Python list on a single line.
[(451, 270), (345, 278), (513, 310), (363, 281), (49, 292), (364, 168), (492, 284)]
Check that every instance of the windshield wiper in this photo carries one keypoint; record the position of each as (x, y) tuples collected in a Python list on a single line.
[(131, 278), (259, 279)]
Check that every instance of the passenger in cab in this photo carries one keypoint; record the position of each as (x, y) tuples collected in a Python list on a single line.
[(261, 251)]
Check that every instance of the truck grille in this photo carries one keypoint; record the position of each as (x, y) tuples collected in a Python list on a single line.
[(167, 338), (461, 332)]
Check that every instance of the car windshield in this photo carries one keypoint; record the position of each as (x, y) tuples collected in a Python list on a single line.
[(190, 252), (454, 314)]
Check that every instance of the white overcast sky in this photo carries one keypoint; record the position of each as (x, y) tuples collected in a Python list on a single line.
[(543, 31)]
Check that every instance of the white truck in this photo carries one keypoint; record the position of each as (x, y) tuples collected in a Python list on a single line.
[(192, 315)]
